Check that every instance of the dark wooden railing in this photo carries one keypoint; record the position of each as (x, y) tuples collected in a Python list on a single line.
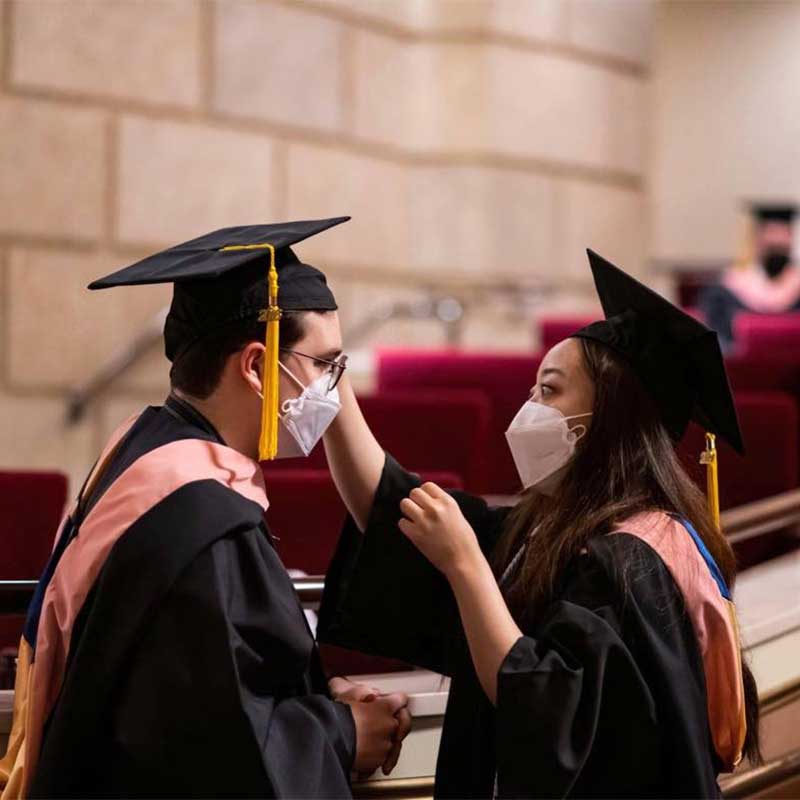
[(777, 778), (15, 596), (778, 513)]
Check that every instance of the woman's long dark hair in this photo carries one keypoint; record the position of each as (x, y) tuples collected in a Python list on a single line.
[(640, 472)]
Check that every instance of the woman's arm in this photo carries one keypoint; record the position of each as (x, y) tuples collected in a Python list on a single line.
[(435, 525), (382, 596), (488, 624), (355, 458)]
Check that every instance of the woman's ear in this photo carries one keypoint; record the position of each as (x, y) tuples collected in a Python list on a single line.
[(251, 365)]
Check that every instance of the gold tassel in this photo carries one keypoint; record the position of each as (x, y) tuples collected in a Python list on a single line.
[(709, 458), (268, 442), (268, 439)]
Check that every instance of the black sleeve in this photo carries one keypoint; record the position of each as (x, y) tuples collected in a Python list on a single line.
[(212, 705), (556, 695), (606, 697), (382, 596)]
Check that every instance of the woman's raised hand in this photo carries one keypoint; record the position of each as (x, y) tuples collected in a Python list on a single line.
[(437, 528)]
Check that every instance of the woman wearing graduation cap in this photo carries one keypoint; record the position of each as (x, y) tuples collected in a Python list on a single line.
[(589, 631)]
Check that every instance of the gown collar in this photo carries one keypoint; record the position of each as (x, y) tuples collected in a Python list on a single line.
[(186, 412)]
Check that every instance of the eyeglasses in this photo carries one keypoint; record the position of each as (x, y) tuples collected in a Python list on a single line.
[(335, 369)]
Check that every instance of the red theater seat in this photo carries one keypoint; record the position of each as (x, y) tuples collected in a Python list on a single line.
[(31, 506), (11, 626), (306, 515), (556, 328), (769, 422), (505, 379), (768, 335), (441, 431), (764, 373)]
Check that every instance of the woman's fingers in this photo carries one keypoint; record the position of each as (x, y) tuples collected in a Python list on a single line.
[(434, 490), (423, 499), (411, 510)]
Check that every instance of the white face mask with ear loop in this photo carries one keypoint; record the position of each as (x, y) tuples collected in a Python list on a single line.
[(306, 418), (541, 441)]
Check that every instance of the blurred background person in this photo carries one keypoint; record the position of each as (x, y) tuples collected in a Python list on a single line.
[(765, 281)]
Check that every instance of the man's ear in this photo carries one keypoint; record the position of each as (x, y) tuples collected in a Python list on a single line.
[(251, 364)]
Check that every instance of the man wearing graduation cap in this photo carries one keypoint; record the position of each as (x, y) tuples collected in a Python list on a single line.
[(166, 652), (766, 281), (589, 630)]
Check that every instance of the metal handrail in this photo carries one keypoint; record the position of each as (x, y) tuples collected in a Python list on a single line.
[(744, 522), (740, 524), (15, 596), (130, 355), (309, 589), (754, 782), (762, 516), (446, 309)]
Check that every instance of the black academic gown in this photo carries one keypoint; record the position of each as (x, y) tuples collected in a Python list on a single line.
[(192, 671), (603, 697)]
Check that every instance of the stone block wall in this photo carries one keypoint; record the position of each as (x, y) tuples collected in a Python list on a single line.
[(476, 143), (725, 122)]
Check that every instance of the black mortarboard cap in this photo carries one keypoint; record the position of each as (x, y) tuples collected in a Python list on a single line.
[(774, 212), (677, 358), (221, 277)]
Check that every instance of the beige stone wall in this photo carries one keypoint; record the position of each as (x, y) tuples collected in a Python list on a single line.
[(479, 145), (725, 120)]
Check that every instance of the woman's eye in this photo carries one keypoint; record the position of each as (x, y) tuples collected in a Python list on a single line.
[(545, 390)]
